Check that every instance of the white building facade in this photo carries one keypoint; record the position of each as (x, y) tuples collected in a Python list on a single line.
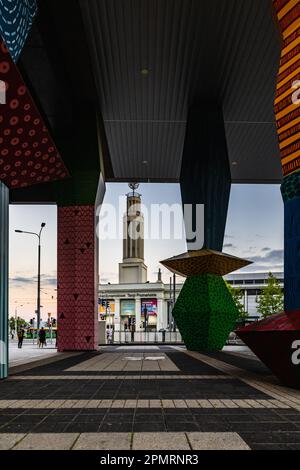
[(127, 302)]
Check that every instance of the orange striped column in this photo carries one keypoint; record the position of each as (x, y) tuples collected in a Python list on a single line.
[(287, 113), (287, 110)]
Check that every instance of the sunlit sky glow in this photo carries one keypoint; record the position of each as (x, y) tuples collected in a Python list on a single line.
[(254, 230)]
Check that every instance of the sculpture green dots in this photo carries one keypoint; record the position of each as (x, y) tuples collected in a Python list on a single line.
[(205, 312)]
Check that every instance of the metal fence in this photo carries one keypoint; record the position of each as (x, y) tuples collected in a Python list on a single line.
[(164, 337), (142, 337)]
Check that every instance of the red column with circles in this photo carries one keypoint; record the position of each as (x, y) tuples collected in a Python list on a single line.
[(77, 279)]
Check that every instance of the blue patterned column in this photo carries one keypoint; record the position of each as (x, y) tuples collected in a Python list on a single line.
[(16, 18), (290, 190), (4, 201)]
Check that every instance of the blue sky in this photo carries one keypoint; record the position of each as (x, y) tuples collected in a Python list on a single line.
[(254, 230)]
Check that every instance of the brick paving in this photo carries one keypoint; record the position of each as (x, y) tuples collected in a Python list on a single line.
[(201, 399)]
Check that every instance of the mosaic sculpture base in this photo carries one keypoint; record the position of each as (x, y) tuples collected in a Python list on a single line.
[(205, 312)]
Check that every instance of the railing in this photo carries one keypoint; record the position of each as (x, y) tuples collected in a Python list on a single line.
[(142, 337), (165, 337)]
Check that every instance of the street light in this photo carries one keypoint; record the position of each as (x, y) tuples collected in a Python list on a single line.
[(16, 316), (38, 309)]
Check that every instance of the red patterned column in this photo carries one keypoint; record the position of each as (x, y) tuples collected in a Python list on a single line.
[(77, 278)]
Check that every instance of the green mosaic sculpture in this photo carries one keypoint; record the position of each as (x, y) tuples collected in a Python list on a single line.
[(205, 312)]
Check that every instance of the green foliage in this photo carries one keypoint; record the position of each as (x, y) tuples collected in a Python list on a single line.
[(237, 295), (271, 299), (20, 322)]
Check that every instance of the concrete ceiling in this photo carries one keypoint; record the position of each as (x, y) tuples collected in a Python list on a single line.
[(194, 51)]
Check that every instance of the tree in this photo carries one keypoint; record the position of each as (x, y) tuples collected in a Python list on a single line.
[(20, 322), (271, 298), (237, 295)]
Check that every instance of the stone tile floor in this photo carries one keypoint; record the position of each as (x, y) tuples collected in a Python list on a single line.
[(167, 394)]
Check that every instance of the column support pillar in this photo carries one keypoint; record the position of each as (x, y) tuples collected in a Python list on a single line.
[(77, 275), (117, 322), (205, 172), (138, 314), (160, 314), (4, 212), (291, 198)]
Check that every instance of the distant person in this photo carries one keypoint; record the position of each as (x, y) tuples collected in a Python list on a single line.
[(42, 337), (132, 332), (20, 338), (110, 335)]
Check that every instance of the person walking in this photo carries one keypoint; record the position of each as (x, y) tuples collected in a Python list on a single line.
[(132, 332), (110, 335), (20, 338), (42, 337)]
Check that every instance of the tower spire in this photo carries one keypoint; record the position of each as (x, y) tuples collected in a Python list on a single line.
[(133, 269)]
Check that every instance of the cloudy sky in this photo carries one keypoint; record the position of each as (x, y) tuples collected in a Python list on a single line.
[(254, 230)]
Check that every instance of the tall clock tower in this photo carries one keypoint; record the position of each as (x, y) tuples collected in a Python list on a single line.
[(133, 270)]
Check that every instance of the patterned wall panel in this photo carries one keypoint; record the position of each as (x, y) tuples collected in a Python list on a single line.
[(28, 154), (16, 17), (3, 280), (288, 113), (77, 282)]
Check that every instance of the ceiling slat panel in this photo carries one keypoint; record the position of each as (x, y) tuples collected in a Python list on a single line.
[(194, 51)]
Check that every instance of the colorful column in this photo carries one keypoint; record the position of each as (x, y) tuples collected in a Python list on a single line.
[(275, 339), (205, 173), (77, 278), (290, 190), (204, 312), (16, 18), (4, 201), (287, 112)]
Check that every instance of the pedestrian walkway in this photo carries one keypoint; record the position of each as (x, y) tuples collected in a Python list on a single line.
[(29, 352), (141, 398)]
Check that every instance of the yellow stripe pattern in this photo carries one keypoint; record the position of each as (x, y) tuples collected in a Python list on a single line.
[(287, 107)]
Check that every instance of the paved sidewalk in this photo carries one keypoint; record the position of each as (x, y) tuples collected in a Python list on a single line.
[(149, 398), (29, 352)]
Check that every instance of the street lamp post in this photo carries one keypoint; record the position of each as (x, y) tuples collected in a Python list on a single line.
[(38, 306), (16, 316)]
